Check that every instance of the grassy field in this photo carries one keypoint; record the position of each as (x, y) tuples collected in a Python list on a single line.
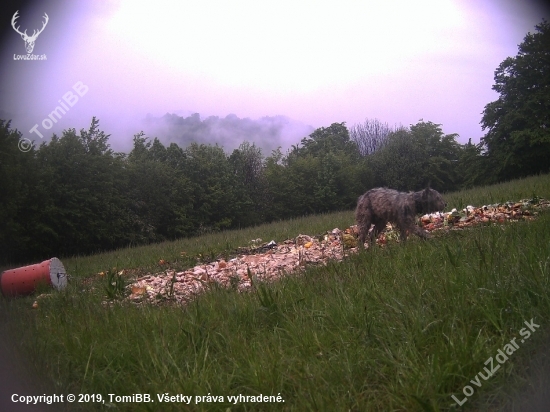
[(405, 327)]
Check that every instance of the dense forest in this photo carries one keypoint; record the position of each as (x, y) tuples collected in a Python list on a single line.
[(75, 195)]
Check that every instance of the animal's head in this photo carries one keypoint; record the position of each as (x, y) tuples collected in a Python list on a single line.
[(29, 40), (432, 201)]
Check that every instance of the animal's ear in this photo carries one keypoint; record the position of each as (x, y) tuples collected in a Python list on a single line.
[(425, 194), (429, 184)]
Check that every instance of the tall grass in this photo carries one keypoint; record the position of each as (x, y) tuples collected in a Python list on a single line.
[(399, 328), (514, 190), (186, 251)]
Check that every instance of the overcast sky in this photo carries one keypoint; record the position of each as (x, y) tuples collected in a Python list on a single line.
[(317, 62)]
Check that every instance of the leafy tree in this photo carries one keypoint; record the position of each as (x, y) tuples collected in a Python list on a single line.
[(340, 180), (21, 199), (325, 189), (175, 156), (249, 186), (279, 187), (333, 139), (85, 208), (473, 166), (398, 164), (94, 141), (324, 173), (413, 158), (214, 202), (439, 155), (518, 122), (159, 193), (302, 177)]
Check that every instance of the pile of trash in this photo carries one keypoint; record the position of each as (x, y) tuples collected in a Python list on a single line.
[(498, 213), (270, 261), (265, 262)]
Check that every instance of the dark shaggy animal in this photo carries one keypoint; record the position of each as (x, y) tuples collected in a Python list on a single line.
[(379, 206)]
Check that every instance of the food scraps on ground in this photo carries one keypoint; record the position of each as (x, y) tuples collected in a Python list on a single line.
[(270, 261)]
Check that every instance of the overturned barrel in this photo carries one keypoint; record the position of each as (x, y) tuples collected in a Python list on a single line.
[(24, 280)]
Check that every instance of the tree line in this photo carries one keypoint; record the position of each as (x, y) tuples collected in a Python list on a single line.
[(75, 195)]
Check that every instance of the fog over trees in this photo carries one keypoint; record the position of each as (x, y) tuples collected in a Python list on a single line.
[(268, 133)]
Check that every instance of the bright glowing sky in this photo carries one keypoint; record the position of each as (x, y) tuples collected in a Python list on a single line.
[(317, 62)]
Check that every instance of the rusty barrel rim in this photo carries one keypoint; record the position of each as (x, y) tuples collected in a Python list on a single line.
[(58, 274)]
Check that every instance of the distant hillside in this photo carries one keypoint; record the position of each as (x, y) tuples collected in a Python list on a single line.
[(229, 132)]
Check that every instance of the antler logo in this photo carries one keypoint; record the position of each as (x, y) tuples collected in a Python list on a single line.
[(29, 40)]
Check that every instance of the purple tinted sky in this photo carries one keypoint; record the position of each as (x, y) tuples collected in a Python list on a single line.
[(317, 62)]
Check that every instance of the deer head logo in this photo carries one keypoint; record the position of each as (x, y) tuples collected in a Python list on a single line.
[(29, 40)]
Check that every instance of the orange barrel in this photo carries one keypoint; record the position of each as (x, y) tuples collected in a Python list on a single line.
[(23, 280)]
